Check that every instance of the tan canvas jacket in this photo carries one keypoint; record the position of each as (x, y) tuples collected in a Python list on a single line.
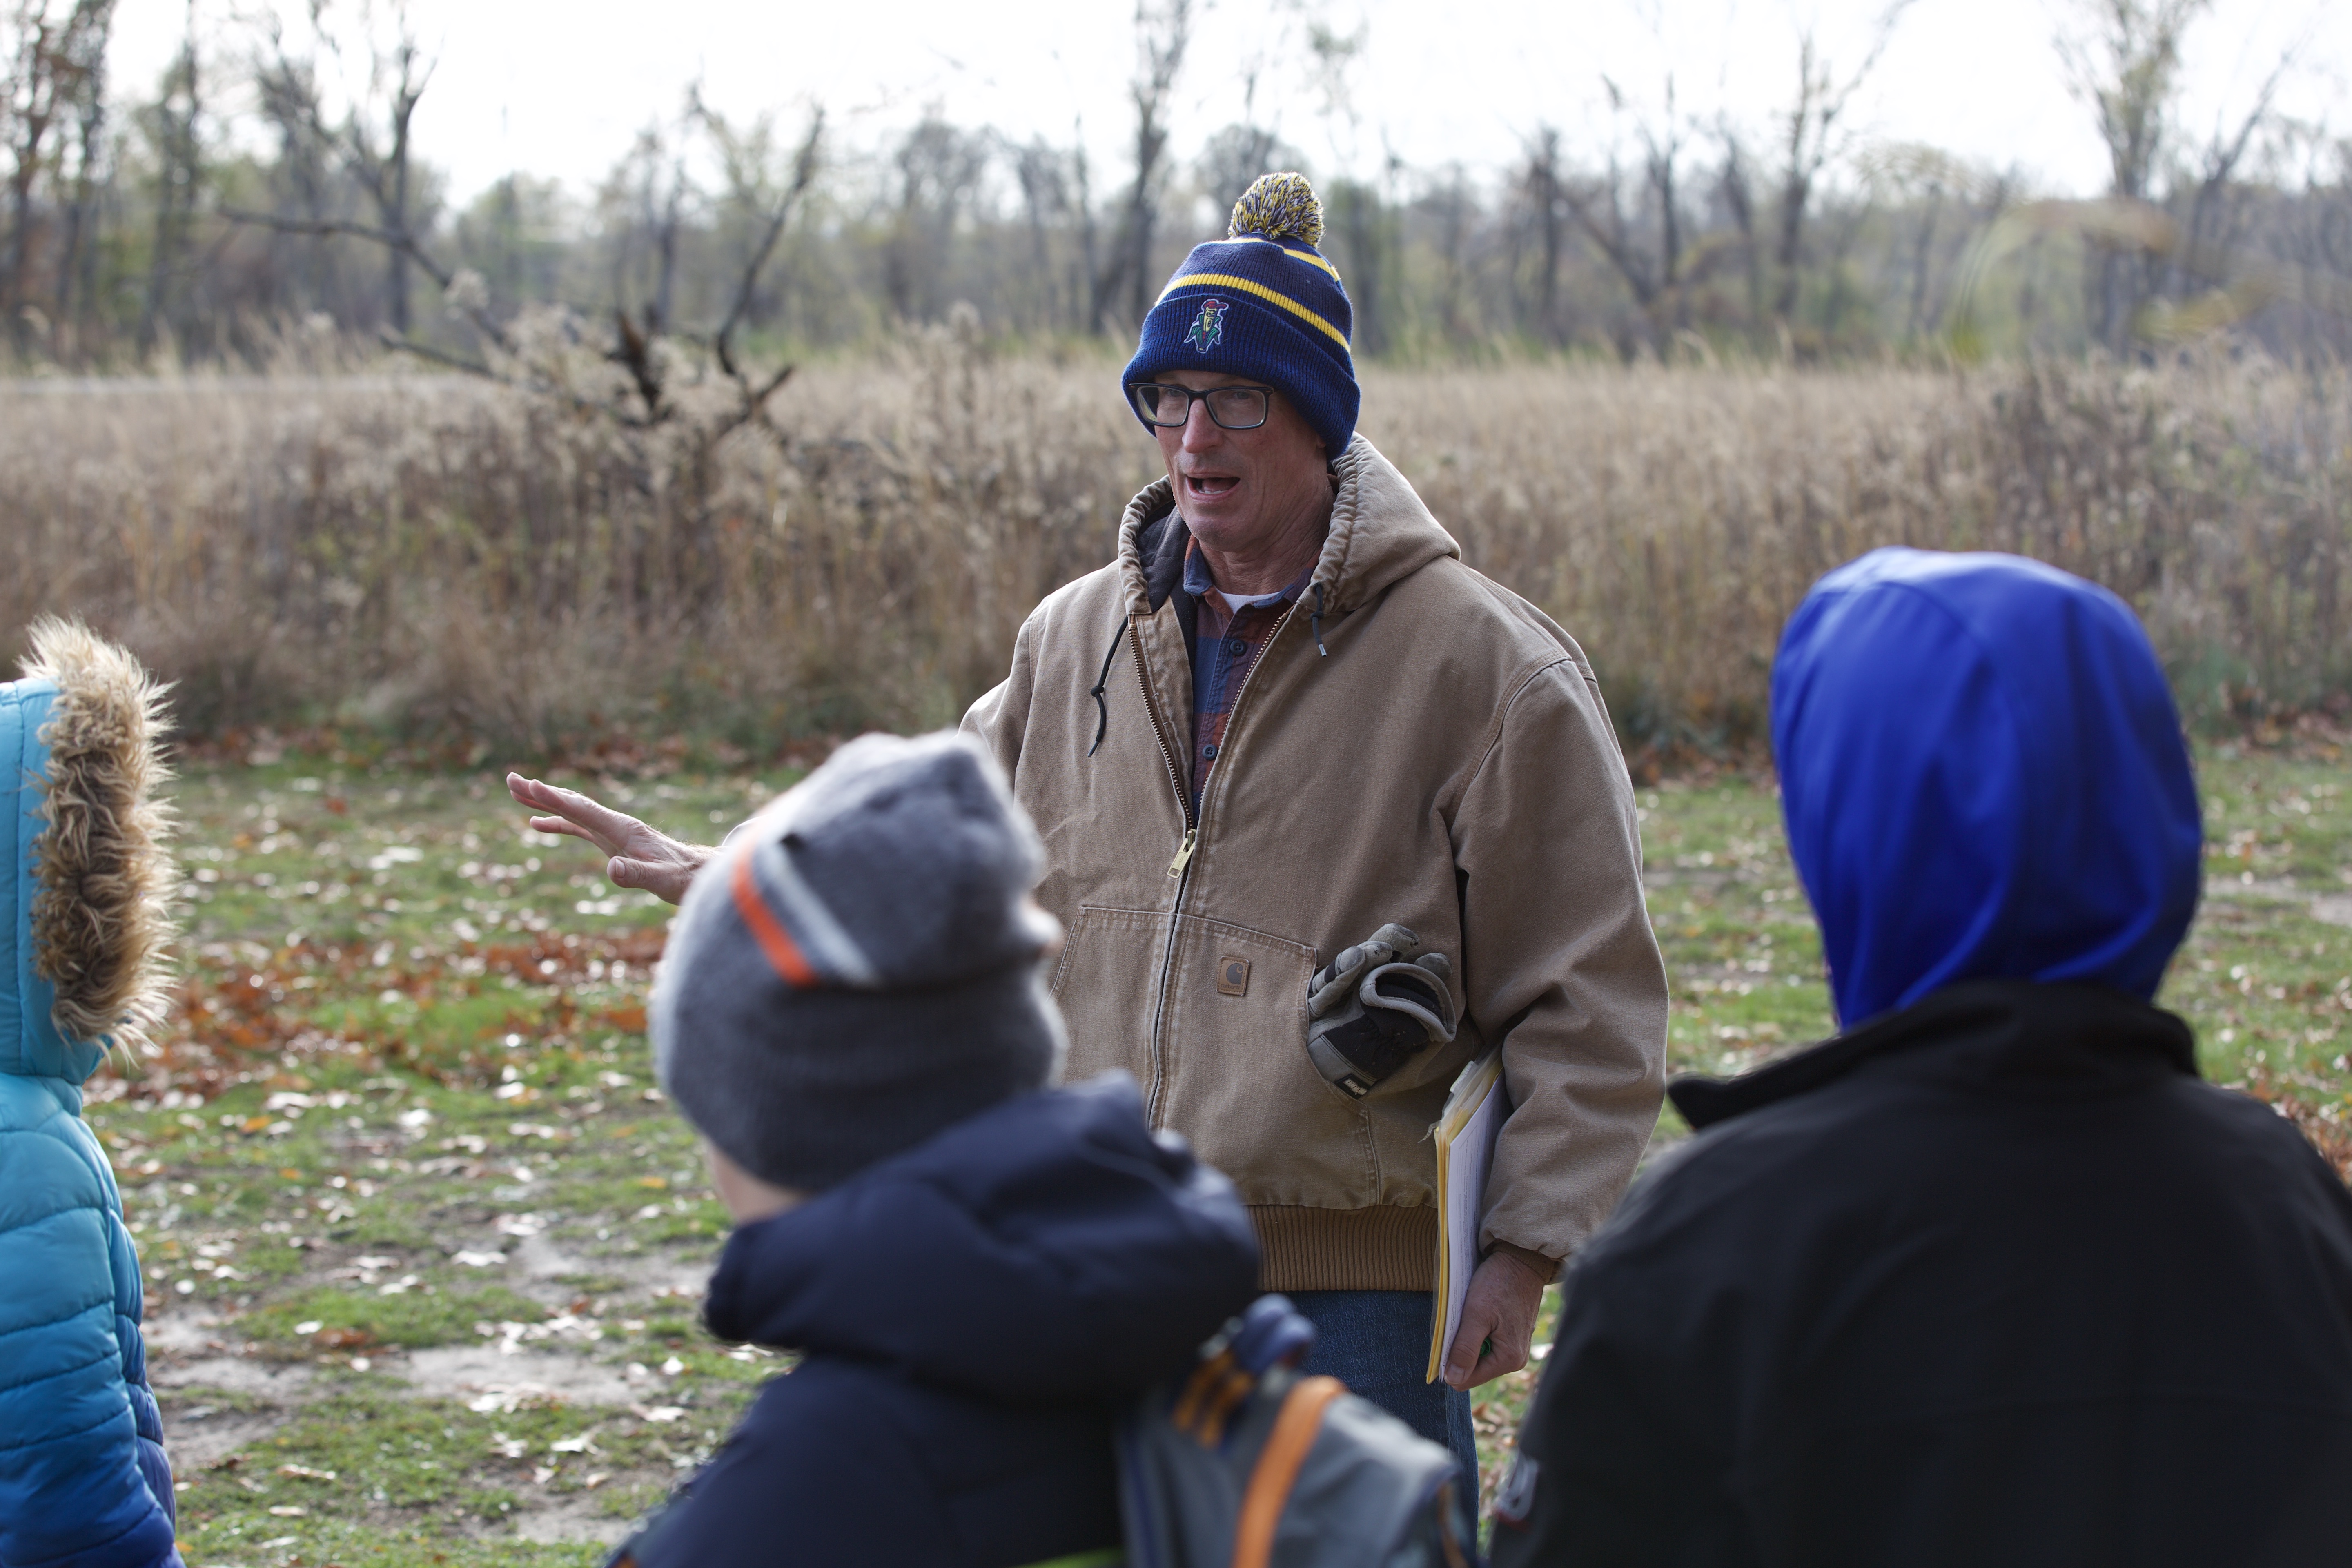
[(1447, 764)]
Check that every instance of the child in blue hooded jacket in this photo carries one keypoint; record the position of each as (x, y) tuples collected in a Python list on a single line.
[(83, 880), (1993, 1276), (979, 1268)]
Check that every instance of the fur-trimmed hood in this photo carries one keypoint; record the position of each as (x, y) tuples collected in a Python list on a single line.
[(85, 879)]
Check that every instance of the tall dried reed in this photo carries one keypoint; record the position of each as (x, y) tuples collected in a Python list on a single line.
[(437, 556)]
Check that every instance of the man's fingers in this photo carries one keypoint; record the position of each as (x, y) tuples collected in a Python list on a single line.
[(560, 825), (590, 819), (664, 880), (530, 792), (1494, 1361), (1463, 1356)]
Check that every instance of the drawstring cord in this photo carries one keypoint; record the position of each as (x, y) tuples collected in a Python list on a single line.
[(1102, 703)]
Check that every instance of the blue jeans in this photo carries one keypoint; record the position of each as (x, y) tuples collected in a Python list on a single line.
[(1377, 1342)]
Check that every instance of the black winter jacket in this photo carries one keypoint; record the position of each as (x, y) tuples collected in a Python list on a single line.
[(1992, 1280), (974, 1311)]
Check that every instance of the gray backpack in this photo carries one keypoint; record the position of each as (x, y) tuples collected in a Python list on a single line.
[(1246, 1464)]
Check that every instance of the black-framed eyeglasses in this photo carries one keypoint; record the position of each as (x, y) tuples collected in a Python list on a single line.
[(1231, 407)]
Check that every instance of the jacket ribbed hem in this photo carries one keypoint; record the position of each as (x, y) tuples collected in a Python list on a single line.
[(1382, 1248)]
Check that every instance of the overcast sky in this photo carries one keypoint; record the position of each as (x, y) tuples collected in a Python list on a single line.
[(561, 89)]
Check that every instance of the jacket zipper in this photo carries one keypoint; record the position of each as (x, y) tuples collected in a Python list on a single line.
[(1176, 869), (1167, 756), (1181, 868)]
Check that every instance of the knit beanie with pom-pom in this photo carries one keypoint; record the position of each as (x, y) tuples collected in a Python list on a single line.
[(858, 967), (1262, 303)]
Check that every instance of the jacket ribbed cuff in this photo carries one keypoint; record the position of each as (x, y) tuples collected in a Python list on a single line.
[(1383, 1248)]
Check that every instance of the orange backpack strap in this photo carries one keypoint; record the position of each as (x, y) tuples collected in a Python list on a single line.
[(1277, 1468)]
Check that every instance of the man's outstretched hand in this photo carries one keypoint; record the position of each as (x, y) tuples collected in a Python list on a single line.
[(640, 856), (1498, 1321)]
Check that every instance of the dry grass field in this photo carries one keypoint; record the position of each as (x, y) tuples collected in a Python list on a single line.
[(434, 558)]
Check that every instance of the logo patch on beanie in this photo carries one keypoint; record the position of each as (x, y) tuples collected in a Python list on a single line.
[(1209, 326)]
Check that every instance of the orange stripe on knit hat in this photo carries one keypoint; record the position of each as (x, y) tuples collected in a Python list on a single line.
[(774, 941)]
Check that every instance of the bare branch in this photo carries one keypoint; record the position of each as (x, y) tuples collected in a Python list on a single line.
[(405, 244), (402, 243), (804, 167)]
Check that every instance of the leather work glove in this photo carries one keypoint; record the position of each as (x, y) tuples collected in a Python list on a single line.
[(1375, 1006)]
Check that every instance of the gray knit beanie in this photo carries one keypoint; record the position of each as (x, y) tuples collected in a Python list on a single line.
[(858, 967)]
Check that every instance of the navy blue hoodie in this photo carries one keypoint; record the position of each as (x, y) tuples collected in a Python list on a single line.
[(972, 1313)]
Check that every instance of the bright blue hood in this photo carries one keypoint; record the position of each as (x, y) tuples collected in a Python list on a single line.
[(1983, 777), (29, 1043)]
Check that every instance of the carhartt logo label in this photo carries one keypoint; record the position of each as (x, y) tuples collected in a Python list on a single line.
[(1208, 331), (1233, 976)]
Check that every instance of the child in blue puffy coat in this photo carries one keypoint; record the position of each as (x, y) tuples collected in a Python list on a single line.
[(83, 880)]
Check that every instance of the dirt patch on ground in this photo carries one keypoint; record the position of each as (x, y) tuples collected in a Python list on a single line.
[(201, 1436), (574, 1519), (237, 1375), (182, 1333), (470, 1371)]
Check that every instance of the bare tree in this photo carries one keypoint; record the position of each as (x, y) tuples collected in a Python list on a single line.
[(179, 173), (2125, 64), (81, 174), (55, 77), (372, 145), (636, 349), (939, 169), (1058, 209), (306, 174), (1543, 197), (647, 195), (379, 157), (2219, 160), (1640, 232), (1937, 201), (1162, 32), (1449, 207), (1088, 291), (1735, 193), (1809, 136)]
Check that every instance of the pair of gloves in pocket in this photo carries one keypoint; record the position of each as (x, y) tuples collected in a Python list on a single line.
[(1375, 1006)]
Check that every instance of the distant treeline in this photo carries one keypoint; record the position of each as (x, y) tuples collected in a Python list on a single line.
[(265, 193)]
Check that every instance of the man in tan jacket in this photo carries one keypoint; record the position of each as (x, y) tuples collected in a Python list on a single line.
[(1286, 717)]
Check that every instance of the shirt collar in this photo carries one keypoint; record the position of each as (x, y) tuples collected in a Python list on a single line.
[(1200, 585)]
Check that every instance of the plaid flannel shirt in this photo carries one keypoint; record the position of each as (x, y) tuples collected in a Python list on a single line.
[(1226, 644)]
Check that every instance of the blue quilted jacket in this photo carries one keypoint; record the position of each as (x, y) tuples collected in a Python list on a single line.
[(83, 1480)]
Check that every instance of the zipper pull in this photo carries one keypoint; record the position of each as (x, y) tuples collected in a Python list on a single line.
[(1184, 852)]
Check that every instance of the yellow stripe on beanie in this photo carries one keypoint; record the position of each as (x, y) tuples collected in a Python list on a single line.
[(1250, 285), (1309, 257)]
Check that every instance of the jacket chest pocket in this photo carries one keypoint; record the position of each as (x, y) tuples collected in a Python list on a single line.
[(1235, 1076)]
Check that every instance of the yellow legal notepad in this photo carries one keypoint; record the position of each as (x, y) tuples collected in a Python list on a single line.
[(1464, 1135)]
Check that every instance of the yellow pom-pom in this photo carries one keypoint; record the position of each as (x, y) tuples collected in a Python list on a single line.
[(1278, 206)]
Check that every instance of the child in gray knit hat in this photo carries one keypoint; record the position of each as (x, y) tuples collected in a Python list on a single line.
[(860, 968), (978, 1268)]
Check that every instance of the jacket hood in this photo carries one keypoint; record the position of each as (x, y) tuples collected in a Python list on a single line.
[(84, 878), (1380, 533), (1983, 777), (1049, 1250)]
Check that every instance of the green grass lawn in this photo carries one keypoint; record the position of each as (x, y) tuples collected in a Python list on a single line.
[(425, 1247)]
